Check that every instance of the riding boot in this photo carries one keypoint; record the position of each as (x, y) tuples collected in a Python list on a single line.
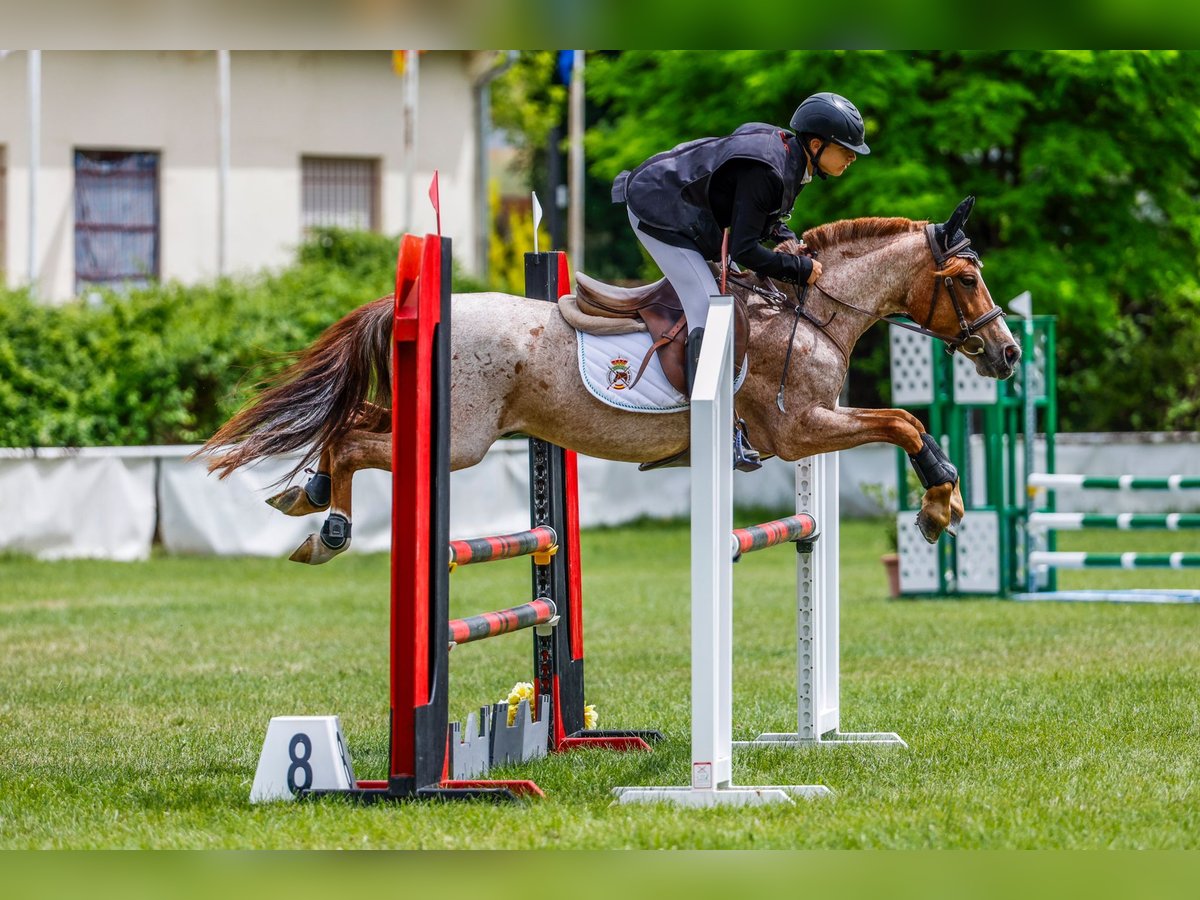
[(745, 457), (692, 357)]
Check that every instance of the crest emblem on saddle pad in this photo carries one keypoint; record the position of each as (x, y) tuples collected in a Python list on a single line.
[(618, 374)]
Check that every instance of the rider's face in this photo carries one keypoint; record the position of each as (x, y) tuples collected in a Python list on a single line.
[(836, 158)]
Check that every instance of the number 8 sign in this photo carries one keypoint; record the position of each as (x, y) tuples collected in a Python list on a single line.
[(302, 753)]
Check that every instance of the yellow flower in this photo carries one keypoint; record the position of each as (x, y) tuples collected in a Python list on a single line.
[(522, 690), (590, 719)]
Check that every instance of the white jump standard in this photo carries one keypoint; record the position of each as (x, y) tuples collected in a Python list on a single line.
[(818, 638), (712, 596), (1043, 558)]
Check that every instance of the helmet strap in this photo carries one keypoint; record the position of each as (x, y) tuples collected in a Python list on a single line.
[(816, 158)]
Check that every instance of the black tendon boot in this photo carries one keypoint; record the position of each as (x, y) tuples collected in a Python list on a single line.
[(745, 457)]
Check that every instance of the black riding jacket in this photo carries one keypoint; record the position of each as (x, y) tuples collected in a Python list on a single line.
[(747, 182)]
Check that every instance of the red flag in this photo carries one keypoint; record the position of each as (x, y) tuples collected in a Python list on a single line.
[(437, 204)]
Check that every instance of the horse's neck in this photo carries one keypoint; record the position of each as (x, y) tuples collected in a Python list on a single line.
[(862, 284)]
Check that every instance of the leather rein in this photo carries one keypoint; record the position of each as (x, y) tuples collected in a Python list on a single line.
[(966, 340)]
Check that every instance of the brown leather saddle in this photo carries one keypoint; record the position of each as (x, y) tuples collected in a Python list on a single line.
[(658, 306)]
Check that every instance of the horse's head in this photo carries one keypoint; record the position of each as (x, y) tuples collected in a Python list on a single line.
[(954, 305)]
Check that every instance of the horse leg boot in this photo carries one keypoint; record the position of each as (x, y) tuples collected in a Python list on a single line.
[(313, 497), (357, 450), (941, 505)]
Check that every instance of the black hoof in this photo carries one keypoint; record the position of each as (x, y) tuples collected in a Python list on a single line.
[(335, 533), (319, 489)]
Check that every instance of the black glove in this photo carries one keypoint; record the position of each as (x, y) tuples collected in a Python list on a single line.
[(780, 233)]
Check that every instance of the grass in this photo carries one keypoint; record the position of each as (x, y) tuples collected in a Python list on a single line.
[(134, 699)]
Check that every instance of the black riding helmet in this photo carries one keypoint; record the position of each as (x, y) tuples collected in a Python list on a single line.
[(834, 118)]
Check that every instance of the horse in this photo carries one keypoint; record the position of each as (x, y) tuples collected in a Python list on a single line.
[(514, 371)]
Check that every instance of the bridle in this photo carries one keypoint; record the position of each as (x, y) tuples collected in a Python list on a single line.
[(967, 339)]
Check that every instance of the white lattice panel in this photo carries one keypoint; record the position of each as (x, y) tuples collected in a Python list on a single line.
[(912, 368), (977, 549), (919, 572), (1036, 370), (969, 385)]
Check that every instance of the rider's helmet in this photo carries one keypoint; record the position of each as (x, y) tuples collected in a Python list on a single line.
[(833, 118)]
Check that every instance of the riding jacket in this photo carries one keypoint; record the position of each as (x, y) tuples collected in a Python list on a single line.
[(747, 182)]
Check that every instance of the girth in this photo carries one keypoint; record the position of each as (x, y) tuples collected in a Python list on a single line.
[(659, 307)]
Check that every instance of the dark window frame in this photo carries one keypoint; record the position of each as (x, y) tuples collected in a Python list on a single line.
[(97, 170)]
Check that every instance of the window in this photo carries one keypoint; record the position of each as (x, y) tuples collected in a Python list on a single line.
[(116, 218), (339, 191)]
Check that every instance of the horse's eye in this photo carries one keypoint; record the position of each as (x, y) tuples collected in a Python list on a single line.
[(968, 280)]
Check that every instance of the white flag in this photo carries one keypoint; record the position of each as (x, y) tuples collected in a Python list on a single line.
[(537, 220)]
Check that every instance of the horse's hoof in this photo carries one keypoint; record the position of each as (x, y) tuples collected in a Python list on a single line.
[(930, 529), (285, 500), (315, 552), (295, 502)]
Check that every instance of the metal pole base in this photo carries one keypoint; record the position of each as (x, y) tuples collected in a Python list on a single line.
[(830, 739), (1139, 595), (731, 795)]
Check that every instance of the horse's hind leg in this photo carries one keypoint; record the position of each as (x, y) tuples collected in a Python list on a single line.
[(357, 450), (315, 495), (312, 497)]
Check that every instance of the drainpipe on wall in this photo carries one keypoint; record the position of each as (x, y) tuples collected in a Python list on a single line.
[(483, 129), (35, 153), (223, 94)]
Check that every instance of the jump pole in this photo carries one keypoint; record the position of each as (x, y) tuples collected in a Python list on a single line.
[(818, 626)]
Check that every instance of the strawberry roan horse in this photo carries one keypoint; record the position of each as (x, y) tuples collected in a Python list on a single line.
[(514, 371)]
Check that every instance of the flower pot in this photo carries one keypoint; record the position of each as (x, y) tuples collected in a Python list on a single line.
[(891, 565)]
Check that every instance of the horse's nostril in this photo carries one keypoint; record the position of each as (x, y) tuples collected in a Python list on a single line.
[(1012, 353)]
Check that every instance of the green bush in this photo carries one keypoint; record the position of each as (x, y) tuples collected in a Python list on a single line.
[(169, 364)]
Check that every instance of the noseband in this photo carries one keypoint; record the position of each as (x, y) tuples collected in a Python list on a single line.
[(967, 340)]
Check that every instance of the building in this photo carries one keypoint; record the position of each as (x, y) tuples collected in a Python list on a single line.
[(131, 173)]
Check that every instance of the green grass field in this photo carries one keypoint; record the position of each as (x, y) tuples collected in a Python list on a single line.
[(134, 699)]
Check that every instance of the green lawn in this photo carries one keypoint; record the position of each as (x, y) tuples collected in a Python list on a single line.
[(134, 699)]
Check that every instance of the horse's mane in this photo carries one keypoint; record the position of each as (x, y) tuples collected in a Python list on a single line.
[(825, 236), (829, 235)]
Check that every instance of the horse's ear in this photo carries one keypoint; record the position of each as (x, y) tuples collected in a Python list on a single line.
[(959, 217)]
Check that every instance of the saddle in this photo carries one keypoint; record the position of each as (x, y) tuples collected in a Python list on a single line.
[(659, 307)]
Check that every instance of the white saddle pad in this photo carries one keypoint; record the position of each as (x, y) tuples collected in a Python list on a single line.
[(608, 363)]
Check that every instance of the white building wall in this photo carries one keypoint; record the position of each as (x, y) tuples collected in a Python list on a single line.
[(284, 104)]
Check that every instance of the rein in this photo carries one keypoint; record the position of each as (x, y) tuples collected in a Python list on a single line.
[(966, 340)]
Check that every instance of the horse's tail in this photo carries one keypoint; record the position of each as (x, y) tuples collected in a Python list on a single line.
[(316, 399)]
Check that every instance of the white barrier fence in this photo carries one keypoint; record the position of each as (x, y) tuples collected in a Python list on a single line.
[(115, 502), (111, 502)]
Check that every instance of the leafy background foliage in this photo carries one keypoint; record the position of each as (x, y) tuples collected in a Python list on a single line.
[(169, 364), (1086, 166)]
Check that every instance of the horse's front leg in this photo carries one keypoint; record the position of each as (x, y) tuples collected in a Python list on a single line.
[(357, 450), (825, 430)]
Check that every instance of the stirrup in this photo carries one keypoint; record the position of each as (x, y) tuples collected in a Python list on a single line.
[(745, 457)]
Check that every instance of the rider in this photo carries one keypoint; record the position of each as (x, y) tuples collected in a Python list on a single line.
[(680, 202)]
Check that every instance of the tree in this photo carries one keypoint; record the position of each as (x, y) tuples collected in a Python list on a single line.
[(1086, 165)]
